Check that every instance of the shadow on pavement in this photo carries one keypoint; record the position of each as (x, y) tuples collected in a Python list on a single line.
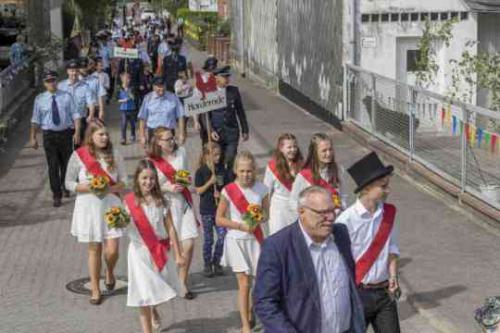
[(431, 299), (203, 285), (206, 325)]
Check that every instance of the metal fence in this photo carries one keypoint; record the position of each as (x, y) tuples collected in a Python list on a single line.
[(14, 81), (458, 141)]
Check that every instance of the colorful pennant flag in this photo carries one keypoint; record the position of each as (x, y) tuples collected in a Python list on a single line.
[(454, 125), (479, 137)]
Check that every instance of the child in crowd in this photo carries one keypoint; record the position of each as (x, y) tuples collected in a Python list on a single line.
[(128, 107), (154, 248), (209, 185), (243, 240)]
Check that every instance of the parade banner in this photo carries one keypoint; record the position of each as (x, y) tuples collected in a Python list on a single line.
[(120, 52), (196, 105)]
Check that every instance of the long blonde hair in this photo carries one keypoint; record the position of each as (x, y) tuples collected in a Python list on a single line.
[(92, 127)]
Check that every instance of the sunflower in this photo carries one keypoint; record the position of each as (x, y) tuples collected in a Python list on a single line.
[(115, 210)]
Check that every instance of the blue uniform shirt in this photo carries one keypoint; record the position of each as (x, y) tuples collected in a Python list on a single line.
[(42, 111), (95, 87), (161, 110), (81, 94)]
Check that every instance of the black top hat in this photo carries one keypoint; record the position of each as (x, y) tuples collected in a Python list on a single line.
[(49, 75), (158, 80), (210, 63), (367, 170), (72, 64), (224, 71)]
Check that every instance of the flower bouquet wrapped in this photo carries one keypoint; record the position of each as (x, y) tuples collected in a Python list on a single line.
[(337, 202), (116, 217), (254, 216), (99, 185), (183, 177)]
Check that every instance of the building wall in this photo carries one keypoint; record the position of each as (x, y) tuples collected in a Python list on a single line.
[(310, 49), (379, 39), (489, 42)]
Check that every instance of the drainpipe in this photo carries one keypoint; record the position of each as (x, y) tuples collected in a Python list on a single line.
[(242, 39), (356, 20)]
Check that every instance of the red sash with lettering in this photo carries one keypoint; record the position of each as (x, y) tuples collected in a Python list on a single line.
[(92, 165), (366, 261), (168, 170), (308, 175), (287, 183), (157, 248), (238, 198)]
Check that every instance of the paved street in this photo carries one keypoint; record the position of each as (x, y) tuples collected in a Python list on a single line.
[(449, 263)]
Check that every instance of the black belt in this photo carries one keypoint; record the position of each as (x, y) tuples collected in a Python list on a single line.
[(380, 285)]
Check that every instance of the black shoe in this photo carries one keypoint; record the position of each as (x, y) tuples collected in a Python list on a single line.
[(218, 270), (57, 202), (208, 272), (66, 193), (189, 295)]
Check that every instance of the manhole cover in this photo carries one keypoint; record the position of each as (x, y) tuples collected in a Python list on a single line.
[(82, 286)]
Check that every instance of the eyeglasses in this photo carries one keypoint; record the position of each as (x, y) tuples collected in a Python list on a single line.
[(324, 213), (171, 139)]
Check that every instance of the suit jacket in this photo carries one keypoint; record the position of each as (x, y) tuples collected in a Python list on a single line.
[(286, 293), (234, 117)]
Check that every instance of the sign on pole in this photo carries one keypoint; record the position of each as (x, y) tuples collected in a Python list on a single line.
[(203, 5), (195, 105), (120, 52)]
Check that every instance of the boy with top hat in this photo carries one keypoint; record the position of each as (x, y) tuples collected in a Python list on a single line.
[(54, 113), (374, 243)]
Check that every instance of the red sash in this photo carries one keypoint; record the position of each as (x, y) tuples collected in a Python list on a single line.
[(157, 248), (92, 165), (366, 261), (287, 183), (168, 170), (240, 201), (308, 175)]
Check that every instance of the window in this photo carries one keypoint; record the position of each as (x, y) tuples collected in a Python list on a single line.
[(434, 16), (384, 17), (394, 17), (424, 16), (375, 17), (414, 17), (404, 17), (454, 15), (412, 57), (444, 16), (365, 18), (464, 16)]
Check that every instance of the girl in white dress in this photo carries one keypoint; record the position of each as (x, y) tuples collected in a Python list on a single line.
[(96, 157), (242, 244), (321, 169), (168, 158), (280, 174), (152, 274)]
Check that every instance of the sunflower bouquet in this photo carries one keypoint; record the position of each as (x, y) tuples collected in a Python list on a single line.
[(116, 217), (253, 216), (183, 177), (337, 202), (99, 185)]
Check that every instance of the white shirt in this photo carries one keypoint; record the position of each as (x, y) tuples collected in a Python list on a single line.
[(276, 188), (363, 227), (333, 284), (254, 195)]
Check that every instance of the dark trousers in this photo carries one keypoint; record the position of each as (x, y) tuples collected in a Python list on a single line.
[(58, 148), (380, 310), (229, 139), (128, 117), (209, 225), (83, 128), (111, 89)]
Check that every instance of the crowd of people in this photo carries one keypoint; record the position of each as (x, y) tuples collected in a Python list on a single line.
[(314, 263)]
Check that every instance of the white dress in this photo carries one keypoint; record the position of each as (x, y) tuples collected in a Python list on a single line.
[(280, 214), (182, 215), (241, 249), (301, 183), (88, 223), (147, 286)]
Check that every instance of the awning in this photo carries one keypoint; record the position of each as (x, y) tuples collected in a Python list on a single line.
[(484, 6)]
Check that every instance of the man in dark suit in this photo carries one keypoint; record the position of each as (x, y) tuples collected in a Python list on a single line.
[(305, 275)]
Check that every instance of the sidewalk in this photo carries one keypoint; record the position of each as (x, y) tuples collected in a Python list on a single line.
[(448, 262)]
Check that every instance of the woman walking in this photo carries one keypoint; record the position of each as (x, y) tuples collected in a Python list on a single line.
[(170, 161), (280, 173), (97, 174)]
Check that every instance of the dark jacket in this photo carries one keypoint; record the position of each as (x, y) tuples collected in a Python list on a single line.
[(233, 117), (286, 291)]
